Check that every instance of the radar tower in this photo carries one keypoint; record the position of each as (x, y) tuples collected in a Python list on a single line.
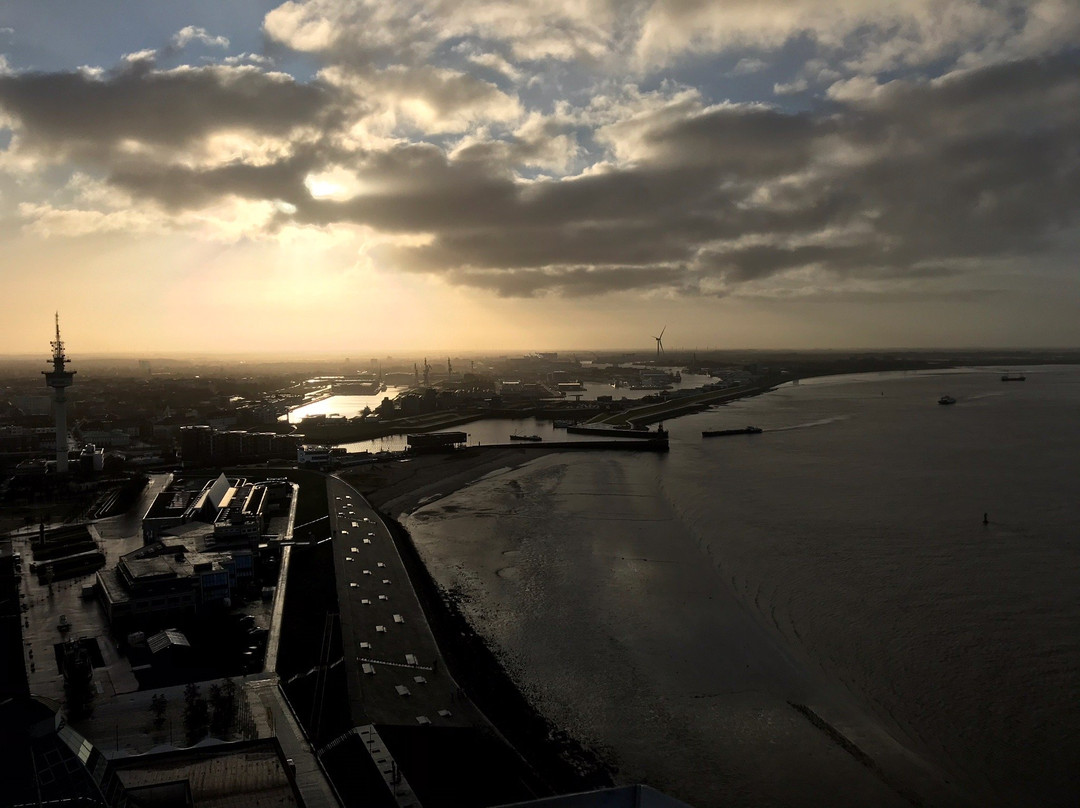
[(59, 379)]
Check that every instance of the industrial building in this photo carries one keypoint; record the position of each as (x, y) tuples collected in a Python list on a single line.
[(50, 763), (235, 509), (201, 541), (172, 579)]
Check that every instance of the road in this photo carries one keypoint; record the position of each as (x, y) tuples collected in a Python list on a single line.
[(396, 674)]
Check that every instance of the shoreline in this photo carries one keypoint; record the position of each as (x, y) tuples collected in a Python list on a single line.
[(561, 762), (395, 489), (426, 479)]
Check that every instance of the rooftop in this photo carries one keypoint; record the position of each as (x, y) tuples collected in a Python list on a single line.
[(231, 776)]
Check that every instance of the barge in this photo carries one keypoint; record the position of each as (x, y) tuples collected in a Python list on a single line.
[(720, 433)]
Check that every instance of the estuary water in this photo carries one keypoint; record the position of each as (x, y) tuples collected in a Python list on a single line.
[(813, 615)]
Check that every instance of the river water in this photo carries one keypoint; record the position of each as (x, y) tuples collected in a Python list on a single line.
[(669, 610)]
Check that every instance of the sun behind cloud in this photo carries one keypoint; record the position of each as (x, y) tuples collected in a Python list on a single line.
[(718, 158)]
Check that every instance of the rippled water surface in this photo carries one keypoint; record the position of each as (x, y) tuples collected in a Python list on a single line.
[(667, 609)]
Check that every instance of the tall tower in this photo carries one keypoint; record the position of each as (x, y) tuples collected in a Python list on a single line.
[(59, 379)]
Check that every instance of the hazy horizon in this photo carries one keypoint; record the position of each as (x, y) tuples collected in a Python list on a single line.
[(438, 355)]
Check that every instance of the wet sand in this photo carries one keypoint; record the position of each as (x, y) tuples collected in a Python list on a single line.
[(399, 487), (395, 490), (789, 733), (723, 714)]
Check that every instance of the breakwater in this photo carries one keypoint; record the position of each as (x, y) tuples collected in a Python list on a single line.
[(652, 444)]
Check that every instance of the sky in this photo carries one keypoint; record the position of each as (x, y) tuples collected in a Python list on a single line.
[(362, 177)]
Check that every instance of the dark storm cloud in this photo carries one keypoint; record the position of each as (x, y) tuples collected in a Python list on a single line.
[(750, 140), (576, 281), (905, 181), (916, 175), (79, 111), (178, 187)]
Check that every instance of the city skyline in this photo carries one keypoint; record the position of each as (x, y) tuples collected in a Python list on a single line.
[(324, 178)]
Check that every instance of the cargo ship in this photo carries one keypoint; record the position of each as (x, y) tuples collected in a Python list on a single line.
[(719, 433), (1015, 377), (533, 438)]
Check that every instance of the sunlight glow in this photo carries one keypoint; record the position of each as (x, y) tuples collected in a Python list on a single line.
[(337, 183)]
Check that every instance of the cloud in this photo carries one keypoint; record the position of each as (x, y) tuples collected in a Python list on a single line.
[(748, 65), (137, 112), (410, 31), (490, 61), (972, 167), (871, 36), (791, 88), (883, 182), (248, 58), (426, 99), (191, 33)]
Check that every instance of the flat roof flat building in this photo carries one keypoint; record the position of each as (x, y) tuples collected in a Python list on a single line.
[(171, 578)]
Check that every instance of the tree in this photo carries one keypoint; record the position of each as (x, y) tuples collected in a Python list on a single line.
[(158, 705), (223, 700), (196, 714), (78, 681)]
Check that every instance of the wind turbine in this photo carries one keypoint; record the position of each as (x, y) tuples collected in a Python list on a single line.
[(660, 342)]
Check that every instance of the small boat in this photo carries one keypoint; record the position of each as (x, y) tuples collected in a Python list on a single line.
[(1016, 377), (719, 433), (533, 438), (946, 400)]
